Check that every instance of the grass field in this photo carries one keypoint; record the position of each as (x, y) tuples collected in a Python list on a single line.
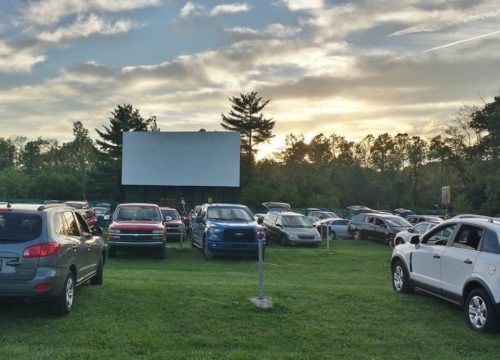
[(325, 307)]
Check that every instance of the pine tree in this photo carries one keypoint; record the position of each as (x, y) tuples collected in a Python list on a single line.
[(246, 117)]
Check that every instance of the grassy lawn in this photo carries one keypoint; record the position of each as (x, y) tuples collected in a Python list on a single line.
[(325, 307)]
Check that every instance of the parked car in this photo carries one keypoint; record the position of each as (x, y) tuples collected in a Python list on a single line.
[(403, 212), (418, 229), (103, 215), (226, 229), (415, 219), (457, 261), (316, 215), (85, 210), (335, 228), (137, 226), (173, 223), (45, 252), (380, 227), (276, 206), (290, 228)]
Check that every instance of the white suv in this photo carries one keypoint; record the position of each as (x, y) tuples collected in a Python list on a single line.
[(458, 260)]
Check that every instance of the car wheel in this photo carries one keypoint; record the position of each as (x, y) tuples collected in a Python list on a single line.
[(398, 241), (400, 278), (209, 254), (479, 311), (284, 240), (98, 278), (64, 302), (357, 235)]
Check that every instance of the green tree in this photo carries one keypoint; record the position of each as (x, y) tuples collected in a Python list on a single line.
[(7, 153), (247, 118), (109, 155)]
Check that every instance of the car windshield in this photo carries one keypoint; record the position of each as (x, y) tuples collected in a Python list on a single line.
[(397, 221), (295, 221), (100, 210), (229, 214), (137, 213), (172, 213), (18, 227)]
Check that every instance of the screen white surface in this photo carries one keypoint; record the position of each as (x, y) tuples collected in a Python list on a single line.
[(181, 158)]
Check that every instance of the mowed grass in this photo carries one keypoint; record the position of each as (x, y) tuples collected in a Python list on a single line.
[(338, 306)]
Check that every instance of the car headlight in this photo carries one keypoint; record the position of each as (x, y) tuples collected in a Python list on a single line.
[(114, 232), (214, 232), (293, 236)]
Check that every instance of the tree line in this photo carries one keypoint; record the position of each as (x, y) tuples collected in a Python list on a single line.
[(384, 171)]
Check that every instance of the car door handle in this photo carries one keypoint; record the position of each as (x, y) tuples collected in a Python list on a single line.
[(468, 261), (436, 256)]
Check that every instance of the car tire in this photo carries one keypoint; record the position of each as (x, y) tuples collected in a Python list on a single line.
[(98, 278), (400, 278), (357, 235), (479, 311), (63, 304), (209, 254), (284, 240)]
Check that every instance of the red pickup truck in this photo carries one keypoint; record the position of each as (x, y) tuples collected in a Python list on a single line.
[(137, 226)]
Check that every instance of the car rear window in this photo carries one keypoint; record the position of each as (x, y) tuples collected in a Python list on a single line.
[(137, 213), (19, 227)]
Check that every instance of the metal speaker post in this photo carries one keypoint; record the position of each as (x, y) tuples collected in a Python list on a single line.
[(261, 301)]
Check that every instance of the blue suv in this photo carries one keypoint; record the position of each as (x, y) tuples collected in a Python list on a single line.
[(226, 229)]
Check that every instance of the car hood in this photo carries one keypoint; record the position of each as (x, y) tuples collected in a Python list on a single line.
[(136, 225), (226, 224)]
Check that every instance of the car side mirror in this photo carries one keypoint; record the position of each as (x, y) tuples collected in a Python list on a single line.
[(415, 239), (97, 231), (260, 221)]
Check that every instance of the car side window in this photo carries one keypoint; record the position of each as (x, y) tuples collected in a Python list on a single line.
[(59, 224), (83, 225), (490, 242), (468, 237), (279, 221), (440, 236), (202, 212), (73, 229), (369, 219), (380, 222), (420, 229)]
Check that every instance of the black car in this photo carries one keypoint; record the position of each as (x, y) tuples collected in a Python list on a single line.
[(415, 219), (380, 227)]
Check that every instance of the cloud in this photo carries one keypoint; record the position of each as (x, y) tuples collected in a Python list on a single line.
[(85, 26), (298, 5), (273, 30), (195, 9), (47, 12), (229, 8), (190, 8), (18, 60)]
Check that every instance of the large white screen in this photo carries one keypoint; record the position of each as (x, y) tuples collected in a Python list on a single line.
[(181, 158)]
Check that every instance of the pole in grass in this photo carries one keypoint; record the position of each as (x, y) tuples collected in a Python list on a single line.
[(329, 251), (261, 301)]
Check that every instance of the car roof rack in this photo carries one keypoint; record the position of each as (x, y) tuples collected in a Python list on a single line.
[(48, 206)]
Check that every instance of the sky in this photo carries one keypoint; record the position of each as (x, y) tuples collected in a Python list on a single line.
[(350, 68)]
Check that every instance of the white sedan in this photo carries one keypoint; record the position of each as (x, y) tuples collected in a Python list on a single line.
[(420, 228)]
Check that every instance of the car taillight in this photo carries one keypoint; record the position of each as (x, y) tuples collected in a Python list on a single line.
[(42, 250), (41, 287)]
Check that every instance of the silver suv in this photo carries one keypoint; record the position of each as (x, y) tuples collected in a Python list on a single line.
[(45, 252), (457, 260)]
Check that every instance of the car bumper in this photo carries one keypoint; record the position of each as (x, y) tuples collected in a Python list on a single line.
[(135, 244), (54, 277), (234, 247), (305, 242)]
